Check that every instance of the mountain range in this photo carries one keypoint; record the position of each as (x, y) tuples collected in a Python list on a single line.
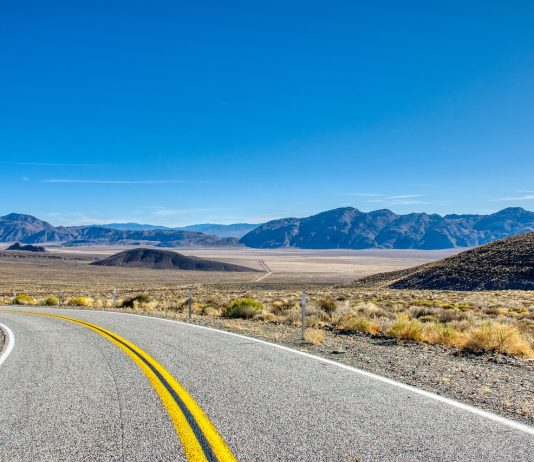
[(342, 228), (31, 230), (349, 228), (237, 230)]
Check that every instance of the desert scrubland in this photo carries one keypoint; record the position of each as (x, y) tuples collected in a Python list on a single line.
[(475, 346)]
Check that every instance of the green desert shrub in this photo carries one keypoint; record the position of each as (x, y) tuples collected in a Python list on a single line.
[(136, 300), (78, 301), (243, 308), (51, 301), (24, 299)]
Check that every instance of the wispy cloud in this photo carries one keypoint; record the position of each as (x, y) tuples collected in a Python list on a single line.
[(217, 100), (520, 195), (49, 164), (524, 197), (169, 212), (405, 196), (398, 199), (81, 181), (80, 219), (390, 202), (363, 194)]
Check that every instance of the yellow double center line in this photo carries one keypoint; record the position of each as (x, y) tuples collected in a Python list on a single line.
[(200, 439)]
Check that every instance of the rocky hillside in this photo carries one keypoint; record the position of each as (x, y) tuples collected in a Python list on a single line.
[(349, 228), (31, 230), (507, 264), (17, 227), (165, 259)]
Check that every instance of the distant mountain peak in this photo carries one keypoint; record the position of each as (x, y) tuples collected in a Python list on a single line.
[(349, 228), (512, 211), (20, 217)]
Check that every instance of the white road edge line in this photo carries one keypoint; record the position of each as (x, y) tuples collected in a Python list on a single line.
[(427, 394), (9, 343), (451, 402)]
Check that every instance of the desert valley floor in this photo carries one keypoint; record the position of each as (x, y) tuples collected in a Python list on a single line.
[(62, 268)]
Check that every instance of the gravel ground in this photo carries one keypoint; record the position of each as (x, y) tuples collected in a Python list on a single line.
[(2, 340), (497, 383)]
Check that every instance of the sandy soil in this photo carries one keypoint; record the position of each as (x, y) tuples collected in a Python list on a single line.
[(70, 266)]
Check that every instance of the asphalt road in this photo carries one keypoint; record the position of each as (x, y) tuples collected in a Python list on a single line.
[(69, 392)]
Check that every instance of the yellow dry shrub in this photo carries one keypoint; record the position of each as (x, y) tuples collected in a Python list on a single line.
[(210, 311), (442, 334), (404, 328), (79, 301), (266, 316), (23, 299), (281, 306), (499, 337), (315, 336), (360, 324)]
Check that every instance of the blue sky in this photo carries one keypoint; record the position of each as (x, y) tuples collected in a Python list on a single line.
[(182, 112)]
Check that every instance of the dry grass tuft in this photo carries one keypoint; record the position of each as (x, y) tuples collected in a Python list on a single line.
[(442, 334), (210, 311), (499, 337), (405, 328), (79, 301), (327, 305), (360, 324), (315, 336)]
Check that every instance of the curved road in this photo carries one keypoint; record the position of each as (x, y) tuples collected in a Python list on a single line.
[(70, 391)]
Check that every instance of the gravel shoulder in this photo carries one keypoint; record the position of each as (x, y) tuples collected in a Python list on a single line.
[(2, 340)]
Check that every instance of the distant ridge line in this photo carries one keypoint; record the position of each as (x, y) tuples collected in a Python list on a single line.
[(350, 228)]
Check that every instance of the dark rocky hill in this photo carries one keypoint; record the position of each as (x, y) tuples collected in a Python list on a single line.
[(507, 264), (349, 228), (26, 248), (165, 259)]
